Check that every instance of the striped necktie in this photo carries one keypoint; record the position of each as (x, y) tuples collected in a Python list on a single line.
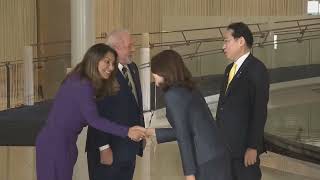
[(126, 76)]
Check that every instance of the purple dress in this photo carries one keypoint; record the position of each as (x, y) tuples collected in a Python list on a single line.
[(74, 108)]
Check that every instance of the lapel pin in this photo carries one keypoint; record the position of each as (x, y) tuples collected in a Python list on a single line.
[(239, 74)]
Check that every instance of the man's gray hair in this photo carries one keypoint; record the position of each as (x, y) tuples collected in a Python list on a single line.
[(116, 37)]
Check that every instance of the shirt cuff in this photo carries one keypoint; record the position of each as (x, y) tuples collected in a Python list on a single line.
[(104, 147)]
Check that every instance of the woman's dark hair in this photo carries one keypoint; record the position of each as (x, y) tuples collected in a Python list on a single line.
[(170, 66), (88, 69)]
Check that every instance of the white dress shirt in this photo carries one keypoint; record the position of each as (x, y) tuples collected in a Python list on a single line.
[(240, 61)]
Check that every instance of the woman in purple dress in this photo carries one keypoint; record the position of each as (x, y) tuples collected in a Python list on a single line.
[(74, 107)]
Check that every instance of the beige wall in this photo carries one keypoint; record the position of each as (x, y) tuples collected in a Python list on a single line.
[(31, 22), (137, 16), (287, 54), (18, 19), (54, 26), (18, 27), (156, 15), (54, 40), (146, 15), (315, 53)]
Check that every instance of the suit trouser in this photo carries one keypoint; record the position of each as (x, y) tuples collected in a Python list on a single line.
[(240, 172), (216, 169), (116, 171)]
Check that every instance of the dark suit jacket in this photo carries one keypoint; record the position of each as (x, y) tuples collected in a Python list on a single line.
[(242, 110), (123, 109), (192, 126)]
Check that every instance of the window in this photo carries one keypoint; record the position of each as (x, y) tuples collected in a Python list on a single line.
[(313, 7)]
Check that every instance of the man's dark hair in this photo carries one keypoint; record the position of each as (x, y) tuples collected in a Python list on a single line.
[(240, 29)]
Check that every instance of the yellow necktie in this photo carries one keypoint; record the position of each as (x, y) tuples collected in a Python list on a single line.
[(232, 73)]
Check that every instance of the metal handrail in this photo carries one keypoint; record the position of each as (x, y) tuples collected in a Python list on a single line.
[(52, 43), (8, 68), (294, 20), (267, 43), (195, 29), (45, 59), (299, 29), (51, 58)]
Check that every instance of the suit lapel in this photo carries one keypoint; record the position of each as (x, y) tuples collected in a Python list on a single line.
[(135, 78), (120, 77), (133, 75), (237, 76), (225, 80)]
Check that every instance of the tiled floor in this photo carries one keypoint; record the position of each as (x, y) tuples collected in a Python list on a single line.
[(274, 174), (162, 162)]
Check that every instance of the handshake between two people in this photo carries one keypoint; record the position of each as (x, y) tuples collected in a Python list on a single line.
[(137, 133)]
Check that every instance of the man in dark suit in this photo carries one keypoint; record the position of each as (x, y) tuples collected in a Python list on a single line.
[(242, 107), (110, 157)]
